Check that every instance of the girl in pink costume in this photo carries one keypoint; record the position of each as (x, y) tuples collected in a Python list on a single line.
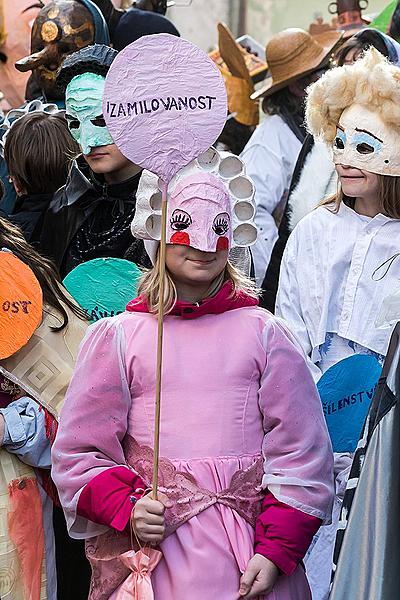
[(246, 464)]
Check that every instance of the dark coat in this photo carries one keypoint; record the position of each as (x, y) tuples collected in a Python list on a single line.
[(29, 213), (89, 218)]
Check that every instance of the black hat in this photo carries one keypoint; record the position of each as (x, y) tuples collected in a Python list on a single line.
[(91, 59), (135, 23)]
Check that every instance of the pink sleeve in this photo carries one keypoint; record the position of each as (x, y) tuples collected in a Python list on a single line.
[(298, 465), (93, 423), (283, 534), (110, 496)]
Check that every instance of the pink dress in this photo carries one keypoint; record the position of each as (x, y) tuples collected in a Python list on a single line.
[(240, 412)]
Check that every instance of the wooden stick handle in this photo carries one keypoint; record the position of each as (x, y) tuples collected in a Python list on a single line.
[(160, 340)]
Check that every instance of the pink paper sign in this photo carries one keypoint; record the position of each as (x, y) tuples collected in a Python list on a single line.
[(164, 103)]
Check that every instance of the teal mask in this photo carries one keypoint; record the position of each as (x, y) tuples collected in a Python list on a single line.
[(84, 111)]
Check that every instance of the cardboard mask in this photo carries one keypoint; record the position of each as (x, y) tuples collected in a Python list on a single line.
[(162, 123), (83, 102), (210, 205), (365, 142), (199, 214), (20, 304), (61, 27)]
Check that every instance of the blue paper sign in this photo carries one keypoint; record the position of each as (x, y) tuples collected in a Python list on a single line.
[(346, 391), (103, 286)]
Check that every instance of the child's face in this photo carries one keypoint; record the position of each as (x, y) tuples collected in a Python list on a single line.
[(193, 267), (357, 183)]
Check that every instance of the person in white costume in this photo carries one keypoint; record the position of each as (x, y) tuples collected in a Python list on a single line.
[(295, 59), (341, 261)]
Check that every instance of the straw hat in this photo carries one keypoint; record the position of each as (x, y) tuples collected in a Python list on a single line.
[(294, 53)]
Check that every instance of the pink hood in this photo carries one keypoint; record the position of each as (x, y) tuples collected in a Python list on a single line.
[(220, 303)]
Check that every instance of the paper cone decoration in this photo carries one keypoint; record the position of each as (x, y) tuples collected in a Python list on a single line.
[(164, 117), (138, 585), (21, 304), (103, 286)]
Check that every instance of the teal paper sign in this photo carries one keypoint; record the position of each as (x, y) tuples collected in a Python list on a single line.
[(346, 391), (103, 286)]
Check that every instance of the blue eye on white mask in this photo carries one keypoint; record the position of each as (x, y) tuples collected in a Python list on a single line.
[(364, 143), (340, 139), (83, 102)]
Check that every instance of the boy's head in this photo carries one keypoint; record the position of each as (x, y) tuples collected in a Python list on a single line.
[(83, 78), (38, 152)]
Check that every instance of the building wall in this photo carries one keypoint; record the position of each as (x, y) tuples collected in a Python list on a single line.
[(198, 21)]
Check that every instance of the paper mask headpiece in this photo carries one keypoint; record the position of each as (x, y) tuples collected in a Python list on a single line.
[(13, 115), (210, 205), (165, 116), (356, 110), (83, 76)]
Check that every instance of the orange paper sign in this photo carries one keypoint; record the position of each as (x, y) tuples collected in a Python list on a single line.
[(21, 304)]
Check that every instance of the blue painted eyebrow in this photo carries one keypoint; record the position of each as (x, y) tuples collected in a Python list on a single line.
[(369, 133)]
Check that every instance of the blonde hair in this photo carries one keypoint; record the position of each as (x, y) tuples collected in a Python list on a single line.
[(149, 286), (371, 81), (388, 196)]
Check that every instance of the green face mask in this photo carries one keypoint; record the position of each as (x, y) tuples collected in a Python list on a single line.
[(84, 111)]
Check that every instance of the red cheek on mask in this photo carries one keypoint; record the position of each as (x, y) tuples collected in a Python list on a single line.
[(223, 243), (180, 237)]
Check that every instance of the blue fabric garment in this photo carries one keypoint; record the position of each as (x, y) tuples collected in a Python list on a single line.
[(102, 35), (25, 433)]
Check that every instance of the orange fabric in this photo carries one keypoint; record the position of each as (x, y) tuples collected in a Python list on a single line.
[(25, 524), (138, 585)]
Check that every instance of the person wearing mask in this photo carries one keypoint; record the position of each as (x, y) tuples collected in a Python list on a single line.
[(90, 216), (314, 177), (341, 260)]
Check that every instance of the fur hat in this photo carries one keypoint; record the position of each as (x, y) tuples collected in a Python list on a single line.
[(369, 88)]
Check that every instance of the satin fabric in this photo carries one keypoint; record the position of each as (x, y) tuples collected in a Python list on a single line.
[(138, 585), (221, 411)]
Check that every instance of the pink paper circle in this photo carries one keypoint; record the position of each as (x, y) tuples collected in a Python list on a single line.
[(164, 103)]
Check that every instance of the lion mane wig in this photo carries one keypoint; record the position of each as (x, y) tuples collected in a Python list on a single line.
[(372, 82)]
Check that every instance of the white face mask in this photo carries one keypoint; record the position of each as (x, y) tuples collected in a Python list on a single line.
[(364, 141)]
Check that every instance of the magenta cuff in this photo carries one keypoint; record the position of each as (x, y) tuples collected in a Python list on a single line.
[(283, 533), (109, 497)]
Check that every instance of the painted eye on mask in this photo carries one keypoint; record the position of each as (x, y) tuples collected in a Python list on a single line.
[(72, 122), (221, 224), (99, 121), (180, 220), (365, 143), (340, 139)]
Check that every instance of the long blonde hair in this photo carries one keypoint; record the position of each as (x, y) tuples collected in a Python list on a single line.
[(388, 195), (149, 286)]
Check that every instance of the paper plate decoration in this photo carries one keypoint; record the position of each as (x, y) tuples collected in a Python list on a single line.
[(346, 391), (21, 304), (228, 168), (103, 286), (163, 117)]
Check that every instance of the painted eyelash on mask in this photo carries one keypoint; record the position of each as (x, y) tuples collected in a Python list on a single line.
[(180, 220), (221, 224)]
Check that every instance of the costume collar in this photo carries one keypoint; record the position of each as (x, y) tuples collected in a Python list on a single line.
[(220, 303)]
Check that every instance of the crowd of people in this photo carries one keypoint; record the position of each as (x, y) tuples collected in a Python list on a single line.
[(278, 287)]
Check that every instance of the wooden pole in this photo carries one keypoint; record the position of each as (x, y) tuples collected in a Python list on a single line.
[(160, 339)]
